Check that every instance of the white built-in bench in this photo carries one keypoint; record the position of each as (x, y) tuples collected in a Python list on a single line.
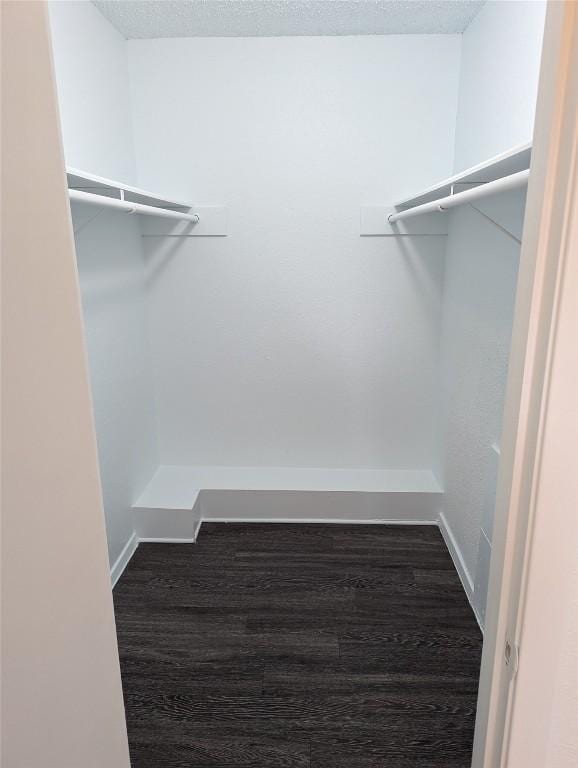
[(178, 498)]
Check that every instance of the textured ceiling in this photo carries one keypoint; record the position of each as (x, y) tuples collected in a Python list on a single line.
[(250, 18)]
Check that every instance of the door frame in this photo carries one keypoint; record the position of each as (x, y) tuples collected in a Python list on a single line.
[(62, 703), (543, 279), (519, 553)]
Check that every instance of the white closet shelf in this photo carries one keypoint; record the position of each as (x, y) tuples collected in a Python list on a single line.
[(513, 161), (98, 185), (178, 498)]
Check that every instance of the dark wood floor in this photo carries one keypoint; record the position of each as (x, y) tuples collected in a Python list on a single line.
[(298, 646)]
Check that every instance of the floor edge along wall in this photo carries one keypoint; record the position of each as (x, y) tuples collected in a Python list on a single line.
[(178, 500)]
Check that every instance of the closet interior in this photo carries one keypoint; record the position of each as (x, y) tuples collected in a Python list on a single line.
[(298, 231)]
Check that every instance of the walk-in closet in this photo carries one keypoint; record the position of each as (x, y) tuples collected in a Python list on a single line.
[(298, 229)]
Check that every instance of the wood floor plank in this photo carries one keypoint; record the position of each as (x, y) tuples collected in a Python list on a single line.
[(298, 646), (232, 752), (387, 558), (143, 672), (366, 673), (404, 746), (311, 714)]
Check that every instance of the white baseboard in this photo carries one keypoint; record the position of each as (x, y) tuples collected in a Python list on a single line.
[(165, 540), (455, 552), (459, 564), (132, 544), (123, 559)]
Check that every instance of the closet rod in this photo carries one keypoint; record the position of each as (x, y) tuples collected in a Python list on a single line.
[(125, 205), (504, 184)]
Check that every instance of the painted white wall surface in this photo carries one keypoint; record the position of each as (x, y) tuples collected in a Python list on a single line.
[(111, 273), (93, 88), (479, 295), (61, 691), (90, 58), (500, 64), (294, 342)]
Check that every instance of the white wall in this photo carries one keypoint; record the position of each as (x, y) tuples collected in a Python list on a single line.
[(90, 58), (479, 295), (499, 79), (500, 63), (295, 342), (111, 274), (93, 89), (61, 691)]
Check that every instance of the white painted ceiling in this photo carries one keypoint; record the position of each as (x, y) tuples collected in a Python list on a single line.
[(250, 18)]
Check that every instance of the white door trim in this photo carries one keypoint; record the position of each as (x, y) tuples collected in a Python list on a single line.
[(536, 331), (62, 703)]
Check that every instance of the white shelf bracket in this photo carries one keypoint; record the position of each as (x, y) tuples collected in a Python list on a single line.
[(496, 224)]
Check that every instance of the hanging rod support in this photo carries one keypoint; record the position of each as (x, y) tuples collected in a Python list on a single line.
[(506, 183), (128, 207), (466, 183), (496, 224)]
